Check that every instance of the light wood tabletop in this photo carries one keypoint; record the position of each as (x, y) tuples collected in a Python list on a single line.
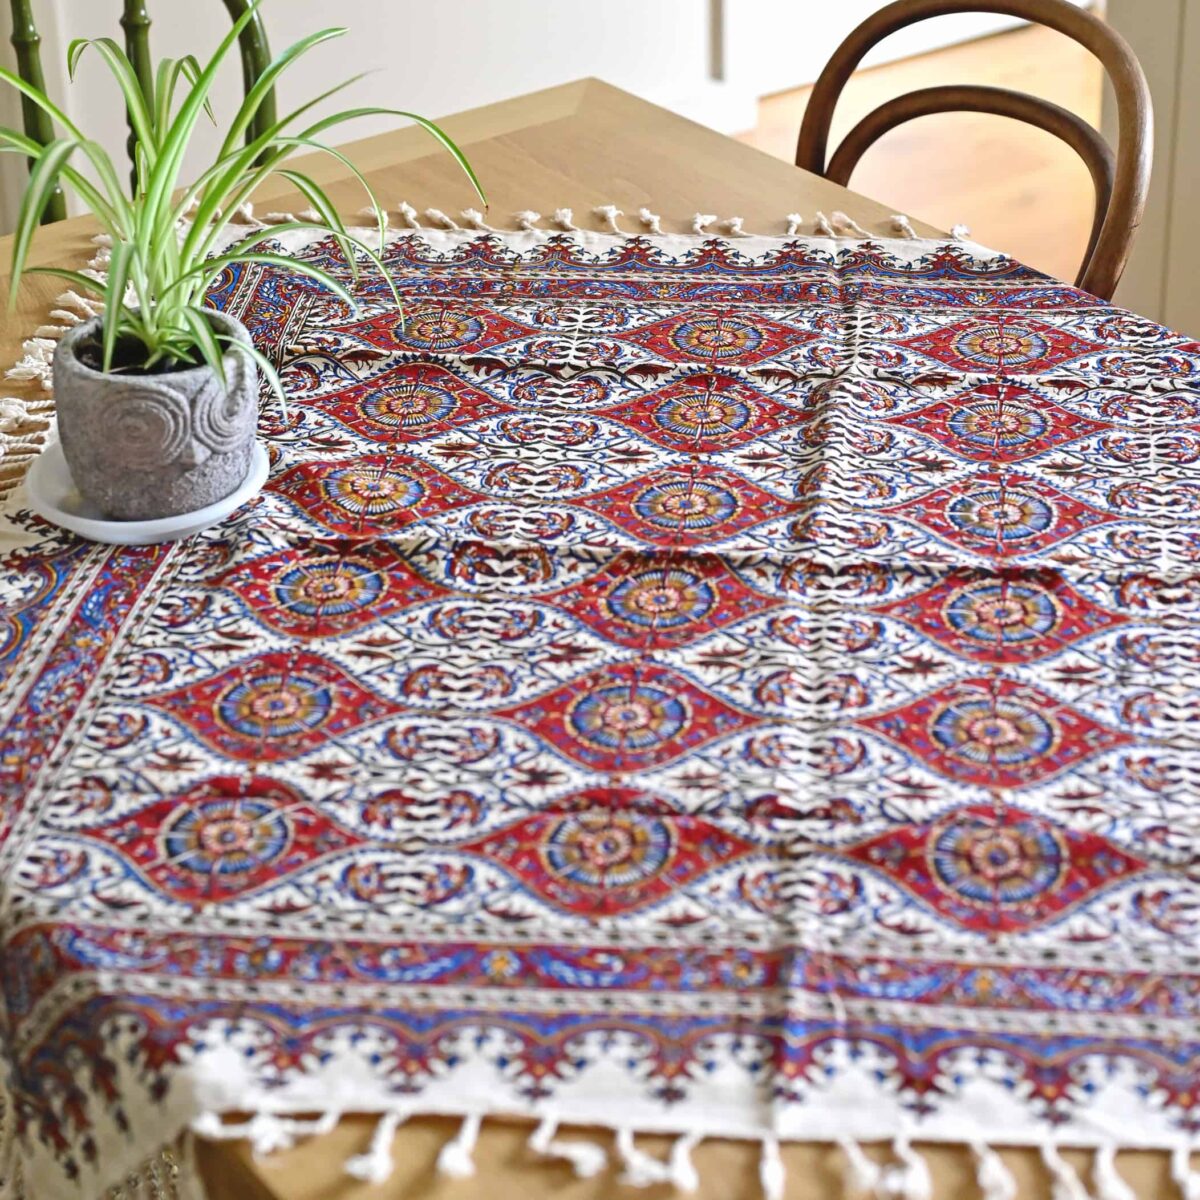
[(579, 145)]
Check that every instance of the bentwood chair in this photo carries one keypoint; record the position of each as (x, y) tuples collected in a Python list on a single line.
[(136, 23), (1120, 181)]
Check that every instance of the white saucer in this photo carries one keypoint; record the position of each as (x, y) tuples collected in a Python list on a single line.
[(53, 495)]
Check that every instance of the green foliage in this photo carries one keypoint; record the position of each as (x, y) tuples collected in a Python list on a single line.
[(161, 269)]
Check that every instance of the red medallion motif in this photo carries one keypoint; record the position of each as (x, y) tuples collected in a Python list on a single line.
[(1000, 343)]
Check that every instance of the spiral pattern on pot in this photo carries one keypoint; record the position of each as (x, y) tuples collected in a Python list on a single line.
[(150, 428), (219, 414)]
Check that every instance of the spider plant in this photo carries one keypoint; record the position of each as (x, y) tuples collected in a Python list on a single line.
[(153, 315)]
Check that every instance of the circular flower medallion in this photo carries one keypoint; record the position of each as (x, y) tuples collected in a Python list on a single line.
[(1001, 613), (408, 406), (999, 425), (685, 504), (703, 415), (716, 338), (274, 705), (1000, 345), (996, 514), (438, 328), (368, 491), (329, 588), (991, 862), (663, 598), (226, 837), (626, 717), (994, 732), (605, 849)]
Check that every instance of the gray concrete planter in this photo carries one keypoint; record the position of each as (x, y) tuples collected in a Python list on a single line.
[(142, 447)]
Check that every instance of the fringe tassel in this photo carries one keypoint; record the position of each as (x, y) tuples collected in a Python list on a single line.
[(370, 215), (408, 215), (994, 1179), (701, 221), (279, 218), (652, 221), (959, 233), (1065, 1183), (641, 1170), (246, 212), (863, 1176), (1109, 1184), (455, 1158), (794, 221), (846, 224), (734, 227), (1182, 1175), (435, 216), (771, 1172), (903, 226), (527, 220), (608, 214), (564, 218), (911, 1179), (265, 1132), (311, 214), (586, 1158), (375, 1164), (474, 220), (823, 225)]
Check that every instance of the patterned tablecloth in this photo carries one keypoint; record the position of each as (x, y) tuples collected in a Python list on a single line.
[(738, 688)]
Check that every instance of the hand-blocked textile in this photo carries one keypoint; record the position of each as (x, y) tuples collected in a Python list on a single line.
[(735, 688)]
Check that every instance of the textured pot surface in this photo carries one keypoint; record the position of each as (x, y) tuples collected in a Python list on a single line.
[(147, 446)]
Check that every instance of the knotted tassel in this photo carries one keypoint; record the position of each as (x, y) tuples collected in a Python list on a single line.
[(455, 1158), (910, 1180), (642, 1170), (527, 220), (280, 218), (995, 1180), (794, 221), (771, 1172), (823, 225), (102, 239), (1182, 1175), (608, 213), (733, 227), (903, 226), (701, 221), (474, 220), (960, 233), (863, 1175), (564, 218), (375, 1164), (652, 221), (435, 216), (246, 212), (408, 215), (374, 217), (1065, 1183), (266, 1132), (586, 1158), (72, 299), (311, 214), (1109, 1184), (843, 223)]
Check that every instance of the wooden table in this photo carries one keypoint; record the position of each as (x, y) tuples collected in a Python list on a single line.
[(579, 145)]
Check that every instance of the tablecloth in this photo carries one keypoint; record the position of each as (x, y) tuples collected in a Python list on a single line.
[(724, 687)]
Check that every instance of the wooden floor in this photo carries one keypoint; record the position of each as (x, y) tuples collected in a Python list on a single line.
[(1019, 189)]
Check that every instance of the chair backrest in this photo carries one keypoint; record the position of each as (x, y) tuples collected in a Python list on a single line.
[(135, 21), (1121, 182)]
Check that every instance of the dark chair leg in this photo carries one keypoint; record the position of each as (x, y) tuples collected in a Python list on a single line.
[(27, 42)]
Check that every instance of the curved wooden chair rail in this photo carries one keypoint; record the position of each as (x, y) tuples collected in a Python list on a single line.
[(1120, 180), (135, 21)]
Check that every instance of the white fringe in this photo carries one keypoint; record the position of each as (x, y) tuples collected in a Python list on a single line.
[(474, 219), (564, 218), (1182, 1175), (823, 225), (772, 1176), (527, 219), (641, 1170), (280, 218), (903, 226), (408, 215), (847, 224), (370, 215), (733, 227), (375, 1164), (455, 1158), (435, 216), (1109, 1184), (651, 220), (311, 214), (586, 1158), (794, 221), (994, 1179), (960, 233), (862, 1175), (701, 221), (608, 214), (1065, 1183), (265, 1132)]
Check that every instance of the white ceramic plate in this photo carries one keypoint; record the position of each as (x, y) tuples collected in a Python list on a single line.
[(53, 495)]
